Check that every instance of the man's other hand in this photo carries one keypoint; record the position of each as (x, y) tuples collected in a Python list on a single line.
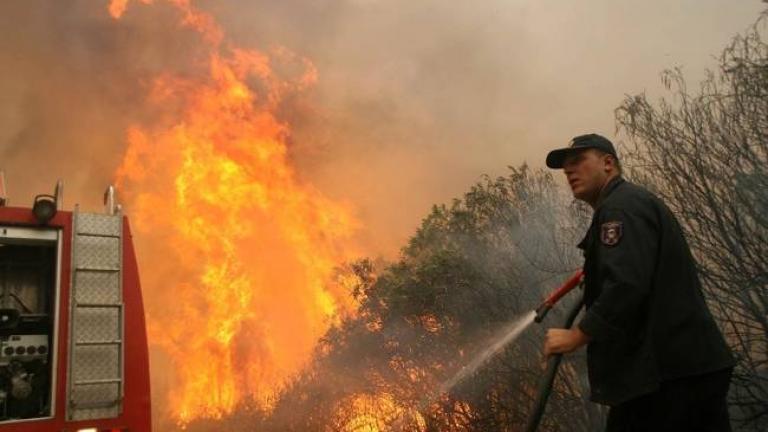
[(560, 341)]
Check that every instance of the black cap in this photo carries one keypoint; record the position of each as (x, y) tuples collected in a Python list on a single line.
[(555, 158)]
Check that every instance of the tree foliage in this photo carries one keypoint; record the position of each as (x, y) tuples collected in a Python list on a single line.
[(470, 268)]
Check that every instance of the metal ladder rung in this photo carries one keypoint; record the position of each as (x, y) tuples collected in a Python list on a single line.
[(99, 381), (94, 405), (99, 305), (93, 234), (98, 343), (98, 269)]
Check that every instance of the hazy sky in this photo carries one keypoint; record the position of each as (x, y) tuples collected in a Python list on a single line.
[(415, 100)]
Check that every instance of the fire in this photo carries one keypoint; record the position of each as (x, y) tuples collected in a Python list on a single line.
[(237, 254), (376, 413)]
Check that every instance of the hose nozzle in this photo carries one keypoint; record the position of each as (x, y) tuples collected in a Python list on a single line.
[(542, 312), (556, 295)]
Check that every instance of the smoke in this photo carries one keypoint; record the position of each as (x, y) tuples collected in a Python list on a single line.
[(414, 101), (72, 82)]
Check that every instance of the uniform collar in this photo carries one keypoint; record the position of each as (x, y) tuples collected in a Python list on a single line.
[(608, 189)]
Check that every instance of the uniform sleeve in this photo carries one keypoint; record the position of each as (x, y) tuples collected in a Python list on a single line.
[(627, 250)]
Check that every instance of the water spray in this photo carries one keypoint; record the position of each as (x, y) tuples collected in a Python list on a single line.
[(510, 332)]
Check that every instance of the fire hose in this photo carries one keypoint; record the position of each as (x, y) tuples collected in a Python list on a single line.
[(553, 363), (557, 294)]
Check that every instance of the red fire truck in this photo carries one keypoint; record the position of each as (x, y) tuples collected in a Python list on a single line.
[(73, 344)]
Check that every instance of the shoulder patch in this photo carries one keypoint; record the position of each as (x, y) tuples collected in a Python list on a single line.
[(610, 233)]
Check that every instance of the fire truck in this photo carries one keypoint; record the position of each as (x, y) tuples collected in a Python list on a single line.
[(73, 344)]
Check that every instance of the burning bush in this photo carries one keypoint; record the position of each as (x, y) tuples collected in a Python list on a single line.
[(470, 268)]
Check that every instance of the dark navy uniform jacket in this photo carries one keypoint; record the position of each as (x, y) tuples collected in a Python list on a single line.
[(646, 315)]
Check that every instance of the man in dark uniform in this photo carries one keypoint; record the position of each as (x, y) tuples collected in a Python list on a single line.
[(654, 352)]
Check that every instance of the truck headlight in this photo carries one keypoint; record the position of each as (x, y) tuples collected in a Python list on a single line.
[(44, 208)]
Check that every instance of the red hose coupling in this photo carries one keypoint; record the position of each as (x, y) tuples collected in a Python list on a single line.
[(557, 294)]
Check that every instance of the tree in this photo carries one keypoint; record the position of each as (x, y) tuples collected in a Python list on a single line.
[(706, 154), (469, 269)]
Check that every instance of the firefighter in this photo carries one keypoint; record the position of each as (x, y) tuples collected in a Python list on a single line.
[(654, 352)]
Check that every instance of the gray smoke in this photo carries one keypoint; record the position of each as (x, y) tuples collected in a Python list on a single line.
[(415, 99)]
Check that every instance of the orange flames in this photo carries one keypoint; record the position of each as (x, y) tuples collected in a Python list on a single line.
[(376, 413), (237, 254)]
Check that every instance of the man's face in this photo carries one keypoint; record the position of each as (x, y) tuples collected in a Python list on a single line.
[(586, 172)]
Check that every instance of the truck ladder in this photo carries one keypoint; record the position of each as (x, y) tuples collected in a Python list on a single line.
[(96, 351)]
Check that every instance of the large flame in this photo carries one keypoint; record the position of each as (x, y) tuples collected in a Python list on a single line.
[(237, 254)]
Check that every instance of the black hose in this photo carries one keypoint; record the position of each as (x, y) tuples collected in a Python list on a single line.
[(545, 385)]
